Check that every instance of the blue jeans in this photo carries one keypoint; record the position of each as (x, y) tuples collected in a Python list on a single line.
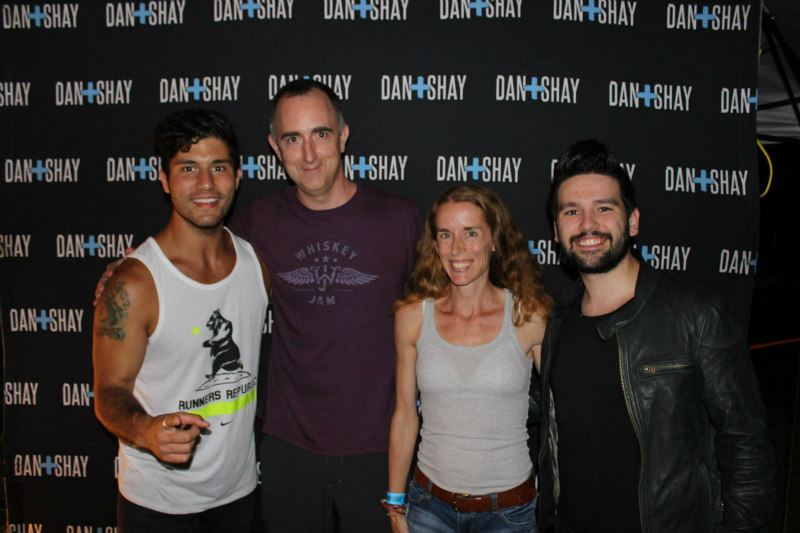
[(427, 514)]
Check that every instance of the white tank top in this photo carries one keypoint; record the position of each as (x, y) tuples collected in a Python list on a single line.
[(201, 358), (474, 402)]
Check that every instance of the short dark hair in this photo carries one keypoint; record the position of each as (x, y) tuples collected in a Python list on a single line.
[(302, 86), (181, 129), (590, 157)]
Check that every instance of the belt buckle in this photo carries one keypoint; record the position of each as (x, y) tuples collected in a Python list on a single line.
[(460, 495)]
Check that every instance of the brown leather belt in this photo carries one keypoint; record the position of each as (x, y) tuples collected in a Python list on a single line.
[(477, 503)]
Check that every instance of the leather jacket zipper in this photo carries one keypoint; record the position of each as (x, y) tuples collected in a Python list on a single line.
[(635, 430), (657, 368)]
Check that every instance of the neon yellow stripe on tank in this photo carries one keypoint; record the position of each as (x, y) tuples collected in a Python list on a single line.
[(225, 408)]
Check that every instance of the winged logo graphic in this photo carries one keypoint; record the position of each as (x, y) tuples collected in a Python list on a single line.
[(324, 276)]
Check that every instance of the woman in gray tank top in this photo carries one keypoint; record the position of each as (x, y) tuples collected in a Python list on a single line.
[(466, 335)]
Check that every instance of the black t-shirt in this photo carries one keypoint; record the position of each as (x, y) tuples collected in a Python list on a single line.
[(599, 460)]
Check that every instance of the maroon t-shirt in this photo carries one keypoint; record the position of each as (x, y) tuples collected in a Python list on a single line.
[(335, 274)]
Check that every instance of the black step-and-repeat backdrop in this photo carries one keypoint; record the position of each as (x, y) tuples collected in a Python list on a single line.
[(436, 92)]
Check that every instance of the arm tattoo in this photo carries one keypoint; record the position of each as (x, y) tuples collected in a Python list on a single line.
[(115, 304)]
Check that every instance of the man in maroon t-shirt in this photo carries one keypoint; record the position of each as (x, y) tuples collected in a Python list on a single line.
[(338, 254)]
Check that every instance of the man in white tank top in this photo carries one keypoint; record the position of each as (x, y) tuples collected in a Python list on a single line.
[(177, 334)]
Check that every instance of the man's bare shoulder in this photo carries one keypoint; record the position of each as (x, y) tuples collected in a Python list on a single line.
[(129, 299), (134, 274)]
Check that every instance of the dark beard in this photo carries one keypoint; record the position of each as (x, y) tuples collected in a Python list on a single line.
[(606, 262)]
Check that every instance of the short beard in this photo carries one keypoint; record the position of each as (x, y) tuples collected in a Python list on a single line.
[(606, 262)]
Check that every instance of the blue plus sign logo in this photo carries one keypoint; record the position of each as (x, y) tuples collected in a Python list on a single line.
[(251, 7), (475, 168), (43, 320), (92, 246), (251, 167), (534, 250), (362, 167), (195, 88), (591, 10), (753, 262), (90, 92), (754, 99), (705, 17), (646, 255), (143, 169), (703, 180), (479, 6), (48, 465), (37, 16), (142, 13), (40, 170), (420, 87), (647, 95), (363, 7), (534, 88)]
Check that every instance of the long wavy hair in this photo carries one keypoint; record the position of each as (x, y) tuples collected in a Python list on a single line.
[(512, 266)]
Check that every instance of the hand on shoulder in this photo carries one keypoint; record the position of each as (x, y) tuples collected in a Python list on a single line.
[(107, 274)]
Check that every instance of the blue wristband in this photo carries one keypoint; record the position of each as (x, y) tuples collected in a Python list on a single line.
[(395, 499)]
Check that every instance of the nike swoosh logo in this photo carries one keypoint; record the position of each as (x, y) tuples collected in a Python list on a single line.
[(225, 423)]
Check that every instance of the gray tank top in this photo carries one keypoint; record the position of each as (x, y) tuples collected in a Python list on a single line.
[(474, 402)]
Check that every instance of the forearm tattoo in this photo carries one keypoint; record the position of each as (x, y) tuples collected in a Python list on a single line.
[(115, 304)]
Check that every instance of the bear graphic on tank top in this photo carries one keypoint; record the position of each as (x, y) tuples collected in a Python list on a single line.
[(226, 365)]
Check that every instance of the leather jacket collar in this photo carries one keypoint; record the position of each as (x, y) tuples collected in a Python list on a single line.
[(646, 283)]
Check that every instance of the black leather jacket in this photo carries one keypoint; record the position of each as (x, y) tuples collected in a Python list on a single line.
[(693, 398)]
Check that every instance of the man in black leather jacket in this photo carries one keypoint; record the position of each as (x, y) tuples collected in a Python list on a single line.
[(652, 418)]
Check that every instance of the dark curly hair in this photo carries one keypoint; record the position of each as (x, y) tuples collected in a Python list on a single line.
[(181, 129)]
